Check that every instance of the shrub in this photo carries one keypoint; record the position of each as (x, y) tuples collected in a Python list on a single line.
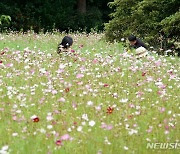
[(148, 19), (5, 21)]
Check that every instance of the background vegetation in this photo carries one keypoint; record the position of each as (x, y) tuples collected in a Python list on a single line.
[(154, 20), (55, 14)]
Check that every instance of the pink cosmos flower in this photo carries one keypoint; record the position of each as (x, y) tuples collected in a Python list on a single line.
[(79, 76), (139, 94), (1, 109), (161, 93), (58, 142), (2, 53), (162, 109), (74, 105), (60, 71), (172, 76), (81, 46), (35, 118), (54, 92), (82, 68), (82, 59), (47, 73), (160, 125), (98, 108), (170, 72), (14, 118), (150, 129), (103, 125), (143, 73), (56, 111), (106, 85), (131, 105), (67, 90), (80, 83), (42, 100), (32, 71), (61, 99), (106, 127), (158, 63), (166, 127), (61, 81), (95, 61), (88, 86), (65, 137), (49, 117), (9, 65), (162, 86), (149, 79), (109, 127)]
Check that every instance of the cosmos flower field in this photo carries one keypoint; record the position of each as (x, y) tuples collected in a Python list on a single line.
[(95, 100)]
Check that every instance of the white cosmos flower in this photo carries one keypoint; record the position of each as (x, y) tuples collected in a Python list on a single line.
[(62, 66), (42, 130), (49, 127), (85, 117), (83, 123), (89, 103), (124, 100), (133, 131), (42, 70), (14, 134), (33, 117), (69, 130), (122, 39), (79, 129), (49, 118), (5, 148), (126, 148), (92, 123)]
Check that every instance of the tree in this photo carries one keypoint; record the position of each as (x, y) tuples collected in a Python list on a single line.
[(63, 15), (81, 6), (4, 22), (148, 19), (120, 24)]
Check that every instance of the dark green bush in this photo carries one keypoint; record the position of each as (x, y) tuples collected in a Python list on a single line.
[(148, 19), (4, 22), (54, 14)]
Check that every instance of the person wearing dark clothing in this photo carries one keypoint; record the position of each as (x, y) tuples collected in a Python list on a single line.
[(140, 47), (135, 42), (65, 44)]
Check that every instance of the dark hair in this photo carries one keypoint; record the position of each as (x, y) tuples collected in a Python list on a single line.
[(132, 38), (67, 41)]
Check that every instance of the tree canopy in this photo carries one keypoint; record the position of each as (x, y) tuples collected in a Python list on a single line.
[(55, 14), (148, 19)]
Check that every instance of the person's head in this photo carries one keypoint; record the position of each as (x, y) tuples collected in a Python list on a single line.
[(67, 42), (132, 39)]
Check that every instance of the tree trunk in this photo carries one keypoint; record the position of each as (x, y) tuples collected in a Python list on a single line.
[(82, 6)]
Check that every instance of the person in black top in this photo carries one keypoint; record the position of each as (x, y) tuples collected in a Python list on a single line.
[(65, 44), (135, 42)]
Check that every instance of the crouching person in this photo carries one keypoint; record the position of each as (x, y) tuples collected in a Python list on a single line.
[(139, 46), (65, 45)]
